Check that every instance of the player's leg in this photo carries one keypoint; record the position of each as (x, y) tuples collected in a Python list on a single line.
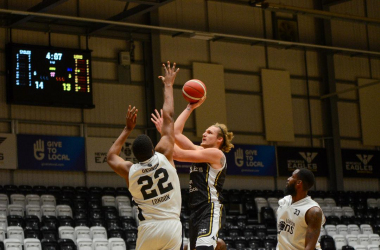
[(208, 229)]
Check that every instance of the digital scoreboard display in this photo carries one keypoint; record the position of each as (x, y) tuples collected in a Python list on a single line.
[(48, 76)]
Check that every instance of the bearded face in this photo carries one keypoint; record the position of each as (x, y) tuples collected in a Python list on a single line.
[(290, 189)]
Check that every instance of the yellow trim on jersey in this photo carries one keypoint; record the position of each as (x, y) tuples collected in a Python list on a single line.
[(211, 221), (220, 219), (208, 188), (216, 182)]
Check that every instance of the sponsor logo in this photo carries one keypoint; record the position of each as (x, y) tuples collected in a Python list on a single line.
[(362, 166), (247, 157), (39, 150), (307, 162), (286, 226)]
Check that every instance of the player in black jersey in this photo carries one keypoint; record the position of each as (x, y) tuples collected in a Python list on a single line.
[(207, 175)]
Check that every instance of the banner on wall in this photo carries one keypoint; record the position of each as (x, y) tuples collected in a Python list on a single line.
[(97, 149), (251, 160), (291, 158), (8, 155), (361, 163), (40, 152)]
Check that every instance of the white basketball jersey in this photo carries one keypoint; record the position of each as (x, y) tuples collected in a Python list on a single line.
[(155, 188), (291, 224)]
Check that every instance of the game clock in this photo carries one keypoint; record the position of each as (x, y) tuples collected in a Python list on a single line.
[(48, 76)]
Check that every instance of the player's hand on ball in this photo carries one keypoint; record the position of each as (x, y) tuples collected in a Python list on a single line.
[(196, 104), (157, 120), (170, 73)]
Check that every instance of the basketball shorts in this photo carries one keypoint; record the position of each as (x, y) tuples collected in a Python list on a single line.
[(162, 234), (205, 223)]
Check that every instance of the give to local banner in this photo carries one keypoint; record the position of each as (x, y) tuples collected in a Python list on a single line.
[(291, 158), (40, 152), (251, 160), (8, 151), (361, 163), (97, 149)]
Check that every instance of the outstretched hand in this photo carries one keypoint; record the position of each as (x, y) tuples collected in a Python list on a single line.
[(170, 74), (157, 120), (131, 118)]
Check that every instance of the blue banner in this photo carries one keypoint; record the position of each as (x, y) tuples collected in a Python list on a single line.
[(252, 160), (39, 152)]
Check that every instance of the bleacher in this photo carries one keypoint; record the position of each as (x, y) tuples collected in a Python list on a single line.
[(70, 218)]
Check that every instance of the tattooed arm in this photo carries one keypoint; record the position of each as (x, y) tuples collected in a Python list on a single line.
[(314, 221)]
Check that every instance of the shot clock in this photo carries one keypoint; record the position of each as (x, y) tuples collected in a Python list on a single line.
[(48, 76)]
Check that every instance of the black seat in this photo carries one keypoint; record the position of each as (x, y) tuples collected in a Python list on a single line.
[(222, 233), (110, 213), (96, 213), (81, 190), (15, 221), (123, 191), (53, 190), (49, 234), (81, 223), (234, 231), (127, 222), (131, 244), (40, 190), (97, 223), (32, 222), (241, 242), (49, 222), (48, 244), (25, 189), (31, 233), (327, 242), (241, 221), (346, 220), (249, 231), (79, 203), (356, 220), (269, 243), (332, 220), (230, 221), (130, 234), (116, 233), (66, 244), (10, 189), (254, 242), (111, 224), (65, 221), (267, 214), (94, 203), (229, 242), (109, 191), (2, 245), (80, 214)]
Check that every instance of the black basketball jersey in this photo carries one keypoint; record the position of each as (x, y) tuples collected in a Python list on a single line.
[(206, 184)]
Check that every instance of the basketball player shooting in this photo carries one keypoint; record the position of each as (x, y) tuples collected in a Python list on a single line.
[(153, 182), (209, 163), (299, 218)]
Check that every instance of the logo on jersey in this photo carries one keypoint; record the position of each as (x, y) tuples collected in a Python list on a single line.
[(286, 226)]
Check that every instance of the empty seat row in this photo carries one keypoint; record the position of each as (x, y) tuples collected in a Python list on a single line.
[(350, 229), (67, 244)]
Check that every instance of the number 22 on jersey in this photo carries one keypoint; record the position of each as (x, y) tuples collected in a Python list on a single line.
[(149, 183)]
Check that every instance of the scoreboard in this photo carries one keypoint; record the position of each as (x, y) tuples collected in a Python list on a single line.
[(48, 76)]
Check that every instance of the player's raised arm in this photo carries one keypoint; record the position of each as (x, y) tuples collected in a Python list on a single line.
[(166, 143), (118, 164), (180, 139), (314, 221)]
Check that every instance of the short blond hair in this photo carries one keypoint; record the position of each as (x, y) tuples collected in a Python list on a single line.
[(227, 136)]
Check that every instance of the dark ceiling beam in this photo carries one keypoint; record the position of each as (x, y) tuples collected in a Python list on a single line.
[(44, 6), (135, 11), (141, 2), (333, 2)]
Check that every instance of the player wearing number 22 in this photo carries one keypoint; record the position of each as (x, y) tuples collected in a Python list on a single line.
[(153, 182), (299, 218)]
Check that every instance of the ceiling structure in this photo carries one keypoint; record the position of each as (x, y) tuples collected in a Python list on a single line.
[(120, 25)]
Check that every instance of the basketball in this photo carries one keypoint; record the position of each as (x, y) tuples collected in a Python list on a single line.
[(193, 90)]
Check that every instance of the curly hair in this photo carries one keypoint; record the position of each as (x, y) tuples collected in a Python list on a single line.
[(142, 148), (226, 146)]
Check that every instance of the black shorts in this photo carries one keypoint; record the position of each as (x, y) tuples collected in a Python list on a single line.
[(205, 222)]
